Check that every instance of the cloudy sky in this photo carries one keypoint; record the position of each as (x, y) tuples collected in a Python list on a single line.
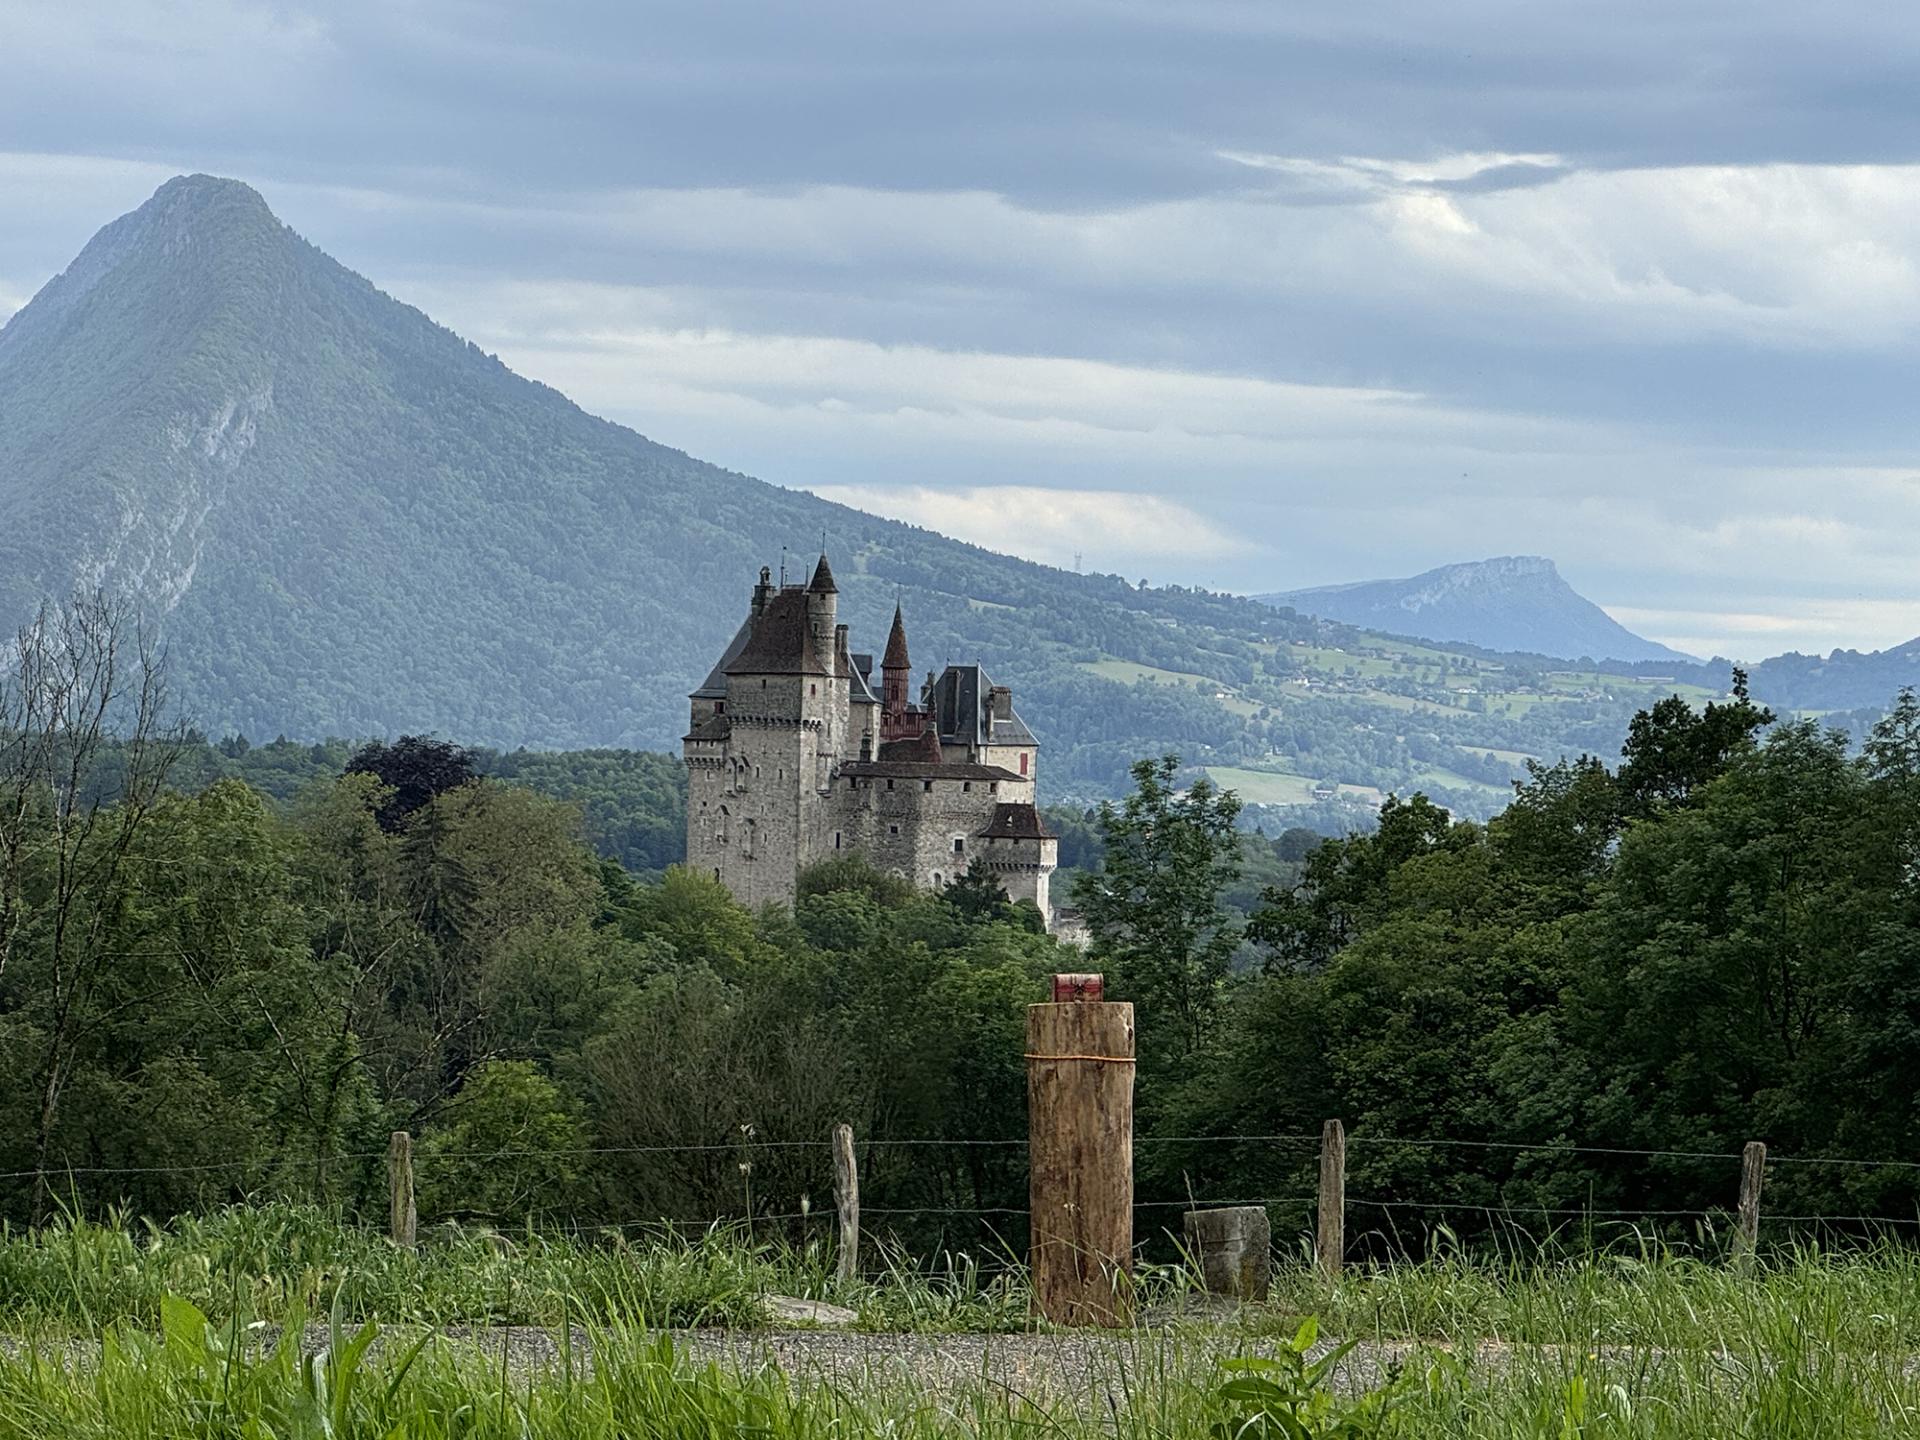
[(1324, 291)]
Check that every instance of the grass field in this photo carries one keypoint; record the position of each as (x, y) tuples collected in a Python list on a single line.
[(1511, 757), (1129, 672), (153, 1333), (1451, 780), (1272, 787)]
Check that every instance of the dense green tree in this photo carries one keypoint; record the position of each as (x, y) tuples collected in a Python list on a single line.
[(1344, 886), (1672, 749), (1153, 908), (414, 769), (511, 1146)]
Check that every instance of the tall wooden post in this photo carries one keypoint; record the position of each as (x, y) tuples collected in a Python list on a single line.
[(1330, 1245), (846, 1200), (400, 1212), (1753, 1169), (1080, 1149)]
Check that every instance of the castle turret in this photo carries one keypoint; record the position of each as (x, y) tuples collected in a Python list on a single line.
[(896, 673), (823, 603)]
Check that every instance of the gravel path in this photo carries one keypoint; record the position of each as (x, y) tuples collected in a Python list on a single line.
[(1058, 1366)]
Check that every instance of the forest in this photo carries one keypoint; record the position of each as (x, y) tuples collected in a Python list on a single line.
[(208, 993)]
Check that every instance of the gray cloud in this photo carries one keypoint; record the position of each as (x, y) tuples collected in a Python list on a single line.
[(1365, 290)]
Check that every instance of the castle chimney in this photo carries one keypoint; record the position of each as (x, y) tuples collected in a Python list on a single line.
[(1001, 700), (763, 589)]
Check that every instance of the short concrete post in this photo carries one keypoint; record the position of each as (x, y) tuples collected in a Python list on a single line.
[(1233, 1248), (401, 1219), (1753, 1170), (1330, 1244), (846, 1201)]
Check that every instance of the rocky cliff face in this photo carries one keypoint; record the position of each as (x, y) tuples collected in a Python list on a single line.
[(1512, 602)]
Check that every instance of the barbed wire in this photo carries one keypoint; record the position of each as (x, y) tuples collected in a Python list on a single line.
[(748, 1149)]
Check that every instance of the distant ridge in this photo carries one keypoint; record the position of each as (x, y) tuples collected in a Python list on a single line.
[(1512, 602)]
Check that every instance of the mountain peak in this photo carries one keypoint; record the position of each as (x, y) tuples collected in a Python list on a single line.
[(1509, 602), (196, 227), (193, 210), (205, 204)]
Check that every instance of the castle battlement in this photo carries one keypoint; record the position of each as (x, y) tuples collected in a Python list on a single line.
[(794, 756)]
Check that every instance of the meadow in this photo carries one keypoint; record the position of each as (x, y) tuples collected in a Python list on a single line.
[(281, 1321)]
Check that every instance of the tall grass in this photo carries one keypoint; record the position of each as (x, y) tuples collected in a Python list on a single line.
[(269, 1263), (196, 1378), (274, 1261), (1861, 1299)]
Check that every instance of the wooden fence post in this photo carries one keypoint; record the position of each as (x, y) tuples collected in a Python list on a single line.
[(400, 1212), (1080, 1153), (1753, 1169), (846, 1200), (1330, 1246)]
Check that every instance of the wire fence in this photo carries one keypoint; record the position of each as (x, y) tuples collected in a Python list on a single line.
[(747, 1151)]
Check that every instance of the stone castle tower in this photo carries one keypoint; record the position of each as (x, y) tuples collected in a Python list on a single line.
[(792, 758)]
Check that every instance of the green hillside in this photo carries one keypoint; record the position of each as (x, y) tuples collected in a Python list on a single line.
[(342, 519)]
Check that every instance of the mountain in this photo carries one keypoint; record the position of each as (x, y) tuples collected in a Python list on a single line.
[(1516, 602), (1843, 680), (343, 519)]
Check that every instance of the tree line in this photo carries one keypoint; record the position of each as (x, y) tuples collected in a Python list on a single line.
[(207, 996), (1714, 941)]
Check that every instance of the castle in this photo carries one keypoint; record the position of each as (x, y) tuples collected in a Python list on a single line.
[(792, 758)]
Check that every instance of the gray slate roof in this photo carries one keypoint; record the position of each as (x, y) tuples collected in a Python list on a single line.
[(716, 727), (860, 684), (963, 711), (715, 685), (780, 640), (1016, 821), (921, 770)]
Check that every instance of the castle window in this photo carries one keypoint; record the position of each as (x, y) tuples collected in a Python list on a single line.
[(763, 682), (927, 785), (889, 784), (1023, 762), (966, 785), (893, 829), (993, 787), (836, 839), (936, 877), (813, 689), (959, 846)]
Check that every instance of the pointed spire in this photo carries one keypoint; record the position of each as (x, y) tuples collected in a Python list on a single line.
[(823, 578), (896, 656)]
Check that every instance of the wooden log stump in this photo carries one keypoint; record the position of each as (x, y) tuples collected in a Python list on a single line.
[(1233, 1248), (1080, 1147)]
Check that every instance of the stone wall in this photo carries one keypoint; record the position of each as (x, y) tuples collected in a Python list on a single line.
[(760, 826), (908, 826)]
